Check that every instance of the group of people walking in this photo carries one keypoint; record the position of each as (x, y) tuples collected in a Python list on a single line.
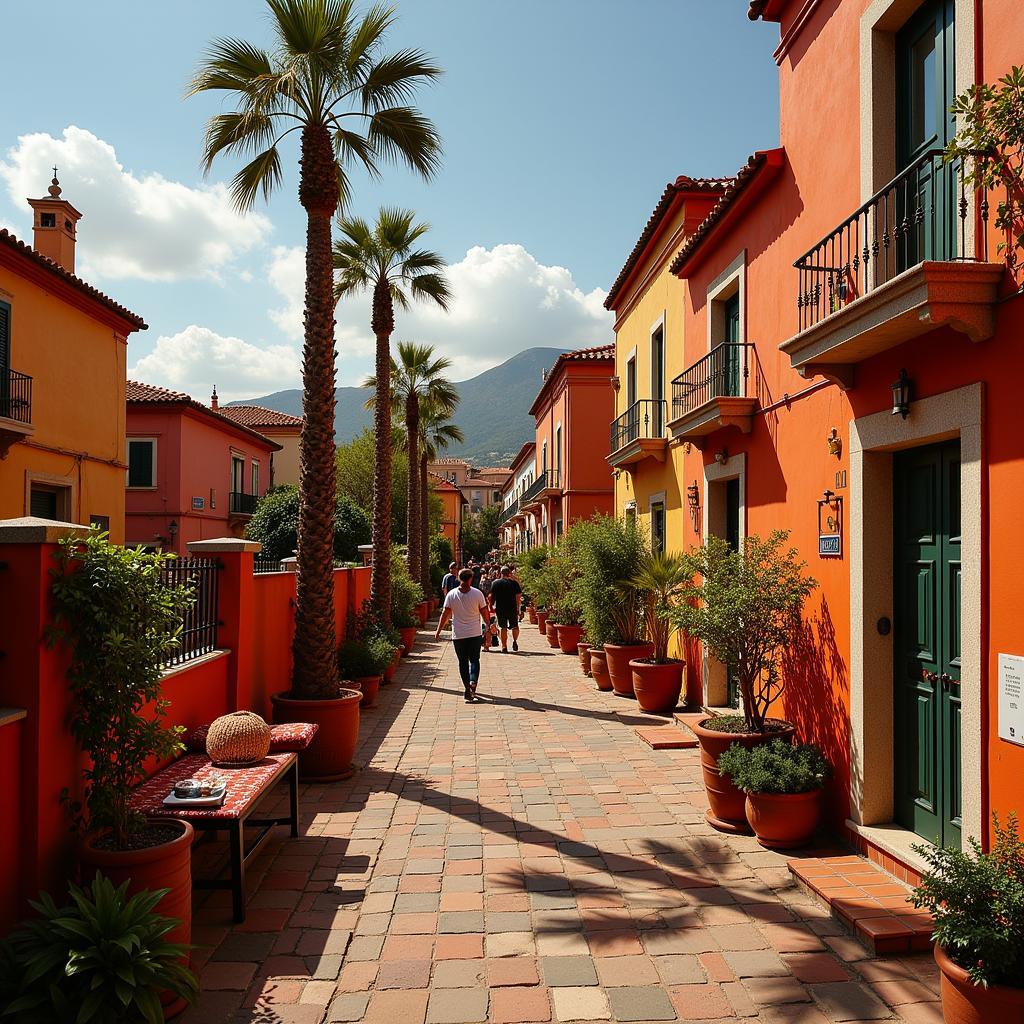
[(483, 602)]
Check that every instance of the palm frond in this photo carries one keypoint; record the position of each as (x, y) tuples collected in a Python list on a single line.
[(260, 175), (244, 130), (230, 64), (393, 80), (366, 39), (403, 135), (431, 286)]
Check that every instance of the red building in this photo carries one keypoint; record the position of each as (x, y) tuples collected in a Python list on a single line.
[(193, 473)]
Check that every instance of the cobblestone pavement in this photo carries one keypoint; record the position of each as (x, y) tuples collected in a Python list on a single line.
[(528, 858)]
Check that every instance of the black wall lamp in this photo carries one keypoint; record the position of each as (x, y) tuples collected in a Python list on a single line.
[(693, 503), (901, 395)]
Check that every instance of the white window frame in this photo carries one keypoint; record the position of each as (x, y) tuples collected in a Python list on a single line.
[(140, 487)]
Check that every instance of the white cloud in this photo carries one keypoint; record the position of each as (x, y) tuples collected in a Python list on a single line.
[(196, 358), (132, 227), (504, 301)]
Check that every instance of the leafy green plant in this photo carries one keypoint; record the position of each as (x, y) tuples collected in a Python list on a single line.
[(360, 658), (660, 579), (528, 565), (275, 524), (560, 576), (103, 958), (746, 606), (441, 556), (977, 900), (991, 119), (406, 593), (775, 767), (121, 622), (609, 552)]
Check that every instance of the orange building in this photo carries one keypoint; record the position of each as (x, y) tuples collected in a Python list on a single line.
[(517, 526), (193, 473), (451, 512), (572, 410), (280, 427), (63, 352), (850, 341)]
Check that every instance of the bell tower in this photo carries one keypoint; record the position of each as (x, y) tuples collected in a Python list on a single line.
[(54, 226)]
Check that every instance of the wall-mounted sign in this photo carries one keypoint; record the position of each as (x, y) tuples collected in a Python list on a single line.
[(199, 503), (830, 526), (1011, 698)]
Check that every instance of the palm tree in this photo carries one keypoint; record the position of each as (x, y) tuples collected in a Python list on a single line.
[(436, 434), (384, 258), (329, 79)]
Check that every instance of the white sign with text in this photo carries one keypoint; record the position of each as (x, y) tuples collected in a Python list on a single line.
[(1011, 698)]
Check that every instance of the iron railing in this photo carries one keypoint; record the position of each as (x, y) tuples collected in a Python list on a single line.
[(508, 512), (199, 627), (645, 418), (722, 373), (547, 480), (241, 504), (261, 563), (922, 214), (15, 396)]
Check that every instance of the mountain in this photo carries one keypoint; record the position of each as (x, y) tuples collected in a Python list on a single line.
[(493, 412)]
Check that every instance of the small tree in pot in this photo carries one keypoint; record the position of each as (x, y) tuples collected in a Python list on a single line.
[(745, 606), (658, 680)]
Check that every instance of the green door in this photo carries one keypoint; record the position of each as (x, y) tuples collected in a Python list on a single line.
[(926, 651), (730, 363)]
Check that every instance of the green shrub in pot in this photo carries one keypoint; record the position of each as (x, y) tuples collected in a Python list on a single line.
[(608, 553), (775, 767), (359, 659), (406, 593)]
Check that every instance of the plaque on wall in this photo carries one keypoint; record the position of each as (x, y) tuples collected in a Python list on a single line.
[(1011, 698)]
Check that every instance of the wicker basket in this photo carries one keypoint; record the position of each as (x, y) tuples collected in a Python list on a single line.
[(239, 738)]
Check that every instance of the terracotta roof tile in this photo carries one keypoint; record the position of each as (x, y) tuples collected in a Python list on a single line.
[(596, 353), (141, 393), (259, 416), (681, 186), (14, 243)]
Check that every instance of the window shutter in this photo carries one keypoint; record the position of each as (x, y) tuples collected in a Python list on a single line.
[(5, 339), (43, 504), (140, 463)]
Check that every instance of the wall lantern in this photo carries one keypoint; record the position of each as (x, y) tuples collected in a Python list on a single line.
[(722, 457), (693, 496), (835, 443), (901, 395), (616, 384)]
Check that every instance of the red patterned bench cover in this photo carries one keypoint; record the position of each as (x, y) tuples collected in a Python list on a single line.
[(294, 736), (243, 785)]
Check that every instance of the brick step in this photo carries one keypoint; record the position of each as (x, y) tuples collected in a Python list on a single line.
[(666, 737), (872, 904)]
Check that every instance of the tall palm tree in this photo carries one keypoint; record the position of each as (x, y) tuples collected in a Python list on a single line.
[(436, 434), (418, 376), (385, 259), (329, 78)]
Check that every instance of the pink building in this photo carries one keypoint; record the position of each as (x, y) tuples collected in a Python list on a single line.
[(193, 473)]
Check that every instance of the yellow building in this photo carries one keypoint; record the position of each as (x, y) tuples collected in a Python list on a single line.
[(63, 352), (648, 302)]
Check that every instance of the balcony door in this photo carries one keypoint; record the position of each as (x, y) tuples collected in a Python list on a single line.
[(237, 475), (731, 362), (658, 379), (925, 197)]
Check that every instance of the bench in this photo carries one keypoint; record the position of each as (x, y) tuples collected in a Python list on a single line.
[(247, 786)]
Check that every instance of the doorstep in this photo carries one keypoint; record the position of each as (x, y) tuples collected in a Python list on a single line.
[(872, 904), (666, 737)]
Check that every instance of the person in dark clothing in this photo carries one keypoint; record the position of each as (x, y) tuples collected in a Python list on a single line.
[(478, 571), (451, 579), (466, 607), (506, 599)]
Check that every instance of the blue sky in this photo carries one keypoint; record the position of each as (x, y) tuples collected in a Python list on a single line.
[(562, 121)]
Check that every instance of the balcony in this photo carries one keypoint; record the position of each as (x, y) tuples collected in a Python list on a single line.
[(241, 504), (638, 434), (508, 513), (15, 408), (714, 393), (913, 258), (545, 486)]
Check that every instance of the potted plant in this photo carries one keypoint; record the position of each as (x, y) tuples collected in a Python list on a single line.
[(529, 565), (406, 595), (106, 956), (977, 901), (783, 784), (630, 642), (745, 606), (121, 621), (583, 650), (361, 662), (599, 668), (658, 679)]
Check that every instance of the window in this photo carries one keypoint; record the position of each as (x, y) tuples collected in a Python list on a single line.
[(141, 462), (631, 382), (48, 501), (237, 474), (255, 478), (544, 457), (103, 522), (658, 527), (497, 495), (558, 454), (47, 220), (658, 378)]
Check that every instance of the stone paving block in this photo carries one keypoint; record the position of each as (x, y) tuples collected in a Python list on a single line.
[(679, 969), (563, 971), (775, 991), (403, 974), (580, 1004), (460, 921), (511, 944), (457, 1006), (391, 1007), (415, 903), (616, 971), (517, 1005), (503, 972), (562, 944), (459, 973), (364, 947), (459, 947), (700, 1002), (348, 1007), (849, 1000), (507, 921), (756, 964)]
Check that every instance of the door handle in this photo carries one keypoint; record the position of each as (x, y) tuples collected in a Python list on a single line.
[(928, 677), (948, 680)]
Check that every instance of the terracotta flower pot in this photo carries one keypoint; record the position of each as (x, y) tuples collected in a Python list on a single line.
[(167, 866), (532, 612), (657, 686), (619, 657), (422, 611), (551, 632), (368, 686), (568, 638), (583, 650), (599, 668), (963, 1002), (542, 620), (727, 812), (329, 756), (782, 821), (389, 672), (408, 635)]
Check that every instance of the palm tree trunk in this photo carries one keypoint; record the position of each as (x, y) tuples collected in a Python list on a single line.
[(314, 654), (382, 323), (412, 492), (424, 538)]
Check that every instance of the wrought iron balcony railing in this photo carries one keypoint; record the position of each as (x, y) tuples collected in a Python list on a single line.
[(508, 512), (922, 214), (240, 504), (15, 396), (723, 373), (645, 418), (548, 480)]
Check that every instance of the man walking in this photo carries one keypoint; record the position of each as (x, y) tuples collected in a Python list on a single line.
[(450, 581), (466, 607), (507, 598)]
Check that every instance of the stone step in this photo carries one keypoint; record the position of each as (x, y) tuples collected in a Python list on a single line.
[(873, 905), (666, 737)]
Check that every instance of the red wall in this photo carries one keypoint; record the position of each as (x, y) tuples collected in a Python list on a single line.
[(11, 809)]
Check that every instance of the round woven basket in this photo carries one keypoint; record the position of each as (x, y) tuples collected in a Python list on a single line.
[(239, 738)]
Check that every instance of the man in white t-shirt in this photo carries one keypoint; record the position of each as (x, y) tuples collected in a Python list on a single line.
[(466, 607)]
